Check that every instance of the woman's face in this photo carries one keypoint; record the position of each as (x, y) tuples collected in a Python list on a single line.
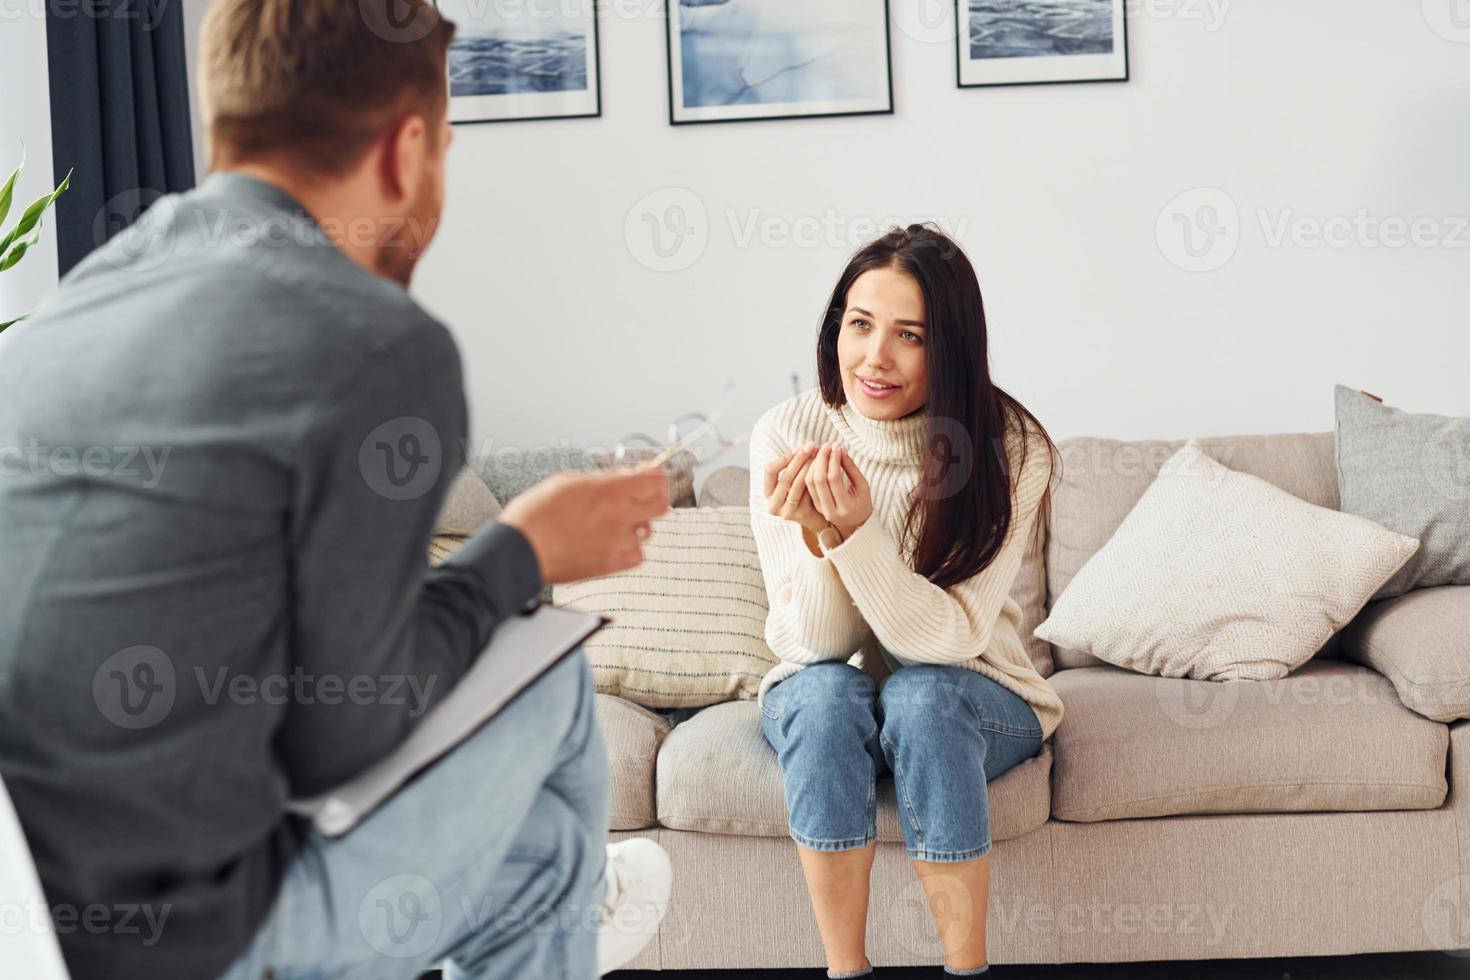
[(880, 346)]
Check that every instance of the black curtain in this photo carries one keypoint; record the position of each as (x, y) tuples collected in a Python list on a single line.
[(119, 116)]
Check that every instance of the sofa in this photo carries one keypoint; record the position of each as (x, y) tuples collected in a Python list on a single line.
[(1166, 819)]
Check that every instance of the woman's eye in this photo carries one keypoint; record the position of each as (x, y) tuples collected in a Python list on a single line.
[(860, 324), (910, 335)]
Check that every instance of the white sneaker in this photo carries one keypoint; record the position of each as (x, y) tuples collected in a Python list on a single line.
[(639, 879)]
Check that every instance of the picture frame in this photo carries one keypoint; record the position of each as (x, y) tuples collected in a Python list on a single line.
[(523, 62), (1040, 42), (810, 59)]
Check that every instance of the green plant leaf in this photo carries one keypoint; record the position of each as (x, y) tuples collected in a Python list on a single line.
[(19, 249), (16, 254), (5, 242), (30, 218), (11, 323), (7, 193)]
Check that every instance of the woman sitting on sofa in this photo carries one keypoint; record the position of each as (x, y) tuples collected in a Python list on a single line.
[(892, 507)]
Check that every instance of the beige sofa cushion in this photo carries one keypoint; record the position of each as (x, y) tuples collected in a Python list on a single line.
[(1102, 479), (1220, 575), (725, 487), (1421, 642), (1331, 736), (717, 774), (467, 505), (633, 736)]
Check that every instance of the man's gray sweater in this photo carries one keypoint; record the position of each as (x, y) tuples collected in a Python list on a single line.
[(223, 446)]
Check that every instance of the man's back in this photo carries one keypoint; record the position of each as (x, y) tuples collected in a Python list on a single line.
[(214, 593)]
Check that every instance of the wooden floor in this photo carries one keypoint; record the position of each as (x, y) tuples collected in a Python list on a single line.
[(1378, 966)]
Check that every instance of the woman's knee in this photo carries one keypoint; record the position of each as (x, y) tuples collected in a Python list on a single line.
[(832, 679), (922, 697), (829, 689), (829, 705)]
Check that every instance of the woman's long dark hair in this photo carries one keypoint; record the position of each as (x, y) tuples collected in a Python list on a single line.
[(961, 508)]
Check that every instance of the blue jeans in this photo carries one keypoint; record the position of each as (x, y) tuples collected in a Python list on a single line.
[(491, 860), (943, 732)]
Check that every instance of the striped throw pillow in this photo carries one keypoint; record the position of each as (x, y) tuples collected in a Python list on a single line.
[(688, 625), (441, 546)]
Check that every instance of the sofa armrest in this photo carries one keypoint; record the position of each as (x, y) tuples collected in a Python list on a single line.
[(1421, 642)]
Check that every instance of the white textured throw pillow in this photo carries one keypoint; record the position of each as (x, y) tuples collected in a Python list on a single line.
[(688, 625), (1219, 575)]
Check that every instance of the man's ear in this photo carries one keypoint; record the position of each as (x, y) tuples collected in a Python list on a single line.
[(404, 157)]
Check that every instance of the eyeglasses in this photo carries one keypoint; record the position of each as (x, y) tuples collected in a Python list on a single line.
[(694, 433)]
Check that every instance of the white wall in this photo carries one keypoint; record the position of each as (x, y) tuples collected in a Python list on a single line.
[(193, 18), (1312, 110), (25, 117)]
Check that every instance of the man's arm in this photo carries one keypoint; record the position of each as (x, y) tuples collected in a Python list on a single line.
[(392, 634)]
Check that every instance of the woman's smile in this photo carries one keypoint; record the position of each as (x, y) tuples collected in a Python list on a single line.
[(875, 389)]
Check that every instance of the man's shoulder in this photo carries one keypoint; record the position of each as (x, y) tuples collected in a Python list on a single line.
[(274, 330), (230, 263)]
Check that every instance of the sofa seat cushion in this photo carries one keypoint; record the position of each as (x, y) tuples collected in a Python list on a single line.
[(1330, 736), (717, 774), (633, 735)]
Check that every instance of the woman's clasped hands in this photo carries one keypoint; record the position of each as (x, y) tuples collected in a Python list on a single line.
[(819, 486)]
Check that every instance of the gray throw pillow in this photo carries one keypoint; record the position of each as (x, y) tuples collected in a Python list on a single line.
[(510, 472), (1410, 473)]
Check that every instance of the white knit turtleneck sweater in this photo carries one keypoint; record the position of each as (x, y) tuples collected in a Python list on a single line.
[(863, 602)]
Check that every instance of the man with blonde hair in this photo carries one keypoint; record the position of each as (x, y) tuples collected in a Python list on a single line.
[(215, 594)]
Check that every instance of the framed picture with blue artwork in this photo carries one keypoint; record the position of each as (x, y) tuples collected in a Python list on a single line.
[(1034, 42), (519, 61), (746, 60)]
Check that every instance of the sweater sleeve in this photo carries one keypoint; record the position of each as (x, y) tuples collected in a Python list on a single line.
[(812, 618), (914, 617), (364, 602)]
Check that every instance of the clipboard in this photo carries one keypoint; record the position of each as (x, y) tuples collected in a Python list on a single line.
[(523, 647)]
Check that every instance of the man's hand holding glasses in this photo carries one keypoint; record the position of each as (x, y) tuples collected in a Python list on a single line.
[(583, 525)]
